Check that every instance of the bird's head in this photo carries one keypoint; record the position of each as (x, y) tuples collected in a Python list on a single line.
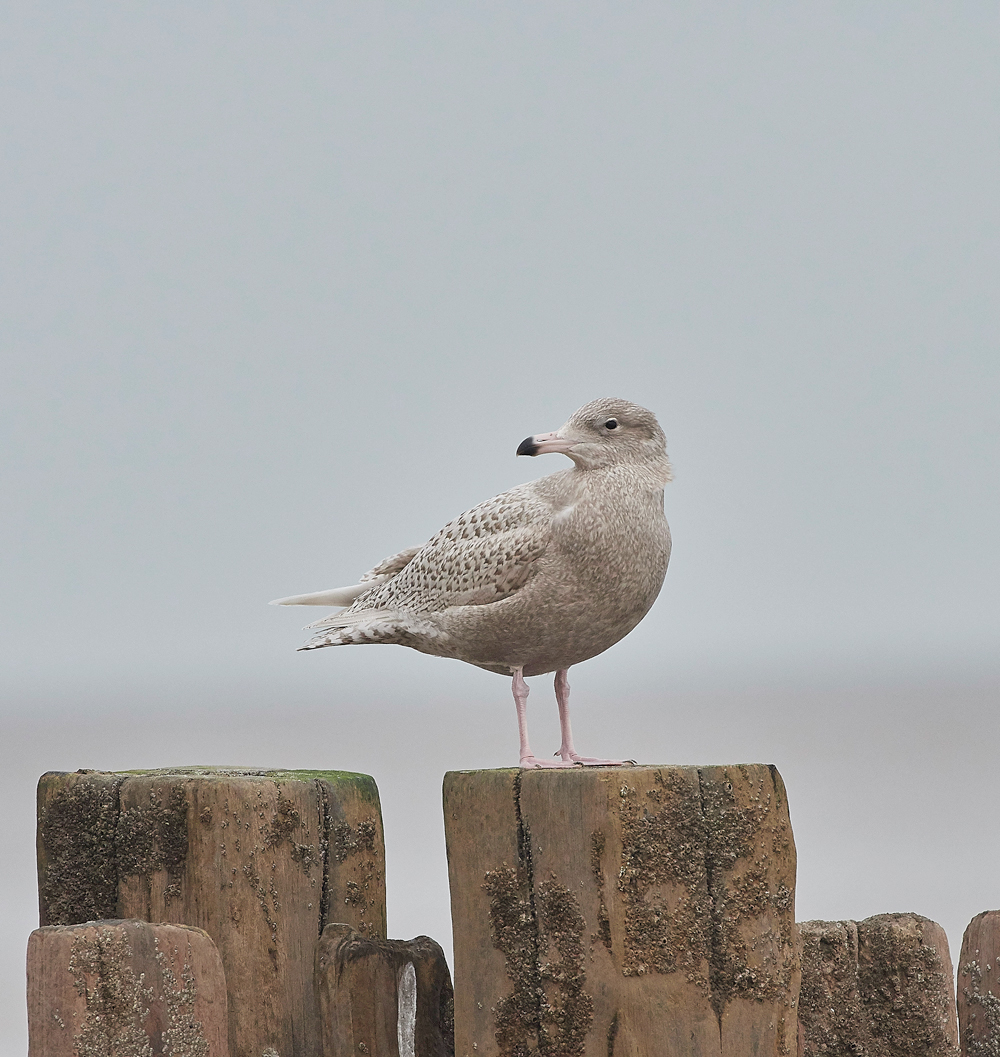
[(606, 432)]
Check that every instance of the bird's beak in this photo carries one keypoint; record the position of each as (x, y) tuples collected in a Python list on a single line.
[(543, 443)]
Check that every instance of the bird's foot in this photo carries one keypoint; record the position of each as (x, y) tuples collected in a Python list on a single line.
[(530, 762), (590, 761)]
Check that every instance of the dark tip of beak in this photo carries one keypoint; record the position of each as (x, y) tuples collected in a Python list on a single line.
[(527, 447)]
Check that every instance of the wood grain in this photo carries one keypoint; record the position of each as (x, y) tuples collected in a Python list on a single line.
[(260, 860), (979, 986), (126, 988), (366, 986), (882, 987), (644, 911)]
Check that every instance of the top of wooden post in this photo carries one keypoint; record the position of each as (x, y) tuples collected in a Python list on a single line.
[(362, 783), (641, 909)]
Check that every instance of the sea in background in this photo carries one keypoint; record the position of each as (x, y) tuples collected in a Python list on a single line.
[(284, 287), (887, 779)]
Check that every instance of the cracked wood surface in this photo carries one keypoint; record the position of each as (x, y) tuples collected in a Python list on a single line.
[(881, 987), (386, 998), (622, 912), (261, 860)]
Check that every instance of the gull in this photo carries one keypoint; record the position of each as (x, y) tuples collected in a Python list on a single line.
[(536, 579)]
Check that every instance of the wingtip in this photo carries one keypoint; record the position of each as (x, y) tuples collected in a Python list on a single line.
[(335, 597)]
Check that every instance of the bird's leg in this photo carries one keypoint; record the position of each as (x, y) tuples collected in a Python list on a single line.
[(520, 688), (567, 753), (566, 750)]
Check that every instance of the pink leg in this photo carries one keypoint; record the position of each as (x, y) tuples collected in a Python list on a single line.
[(520, 688), (567, 752)]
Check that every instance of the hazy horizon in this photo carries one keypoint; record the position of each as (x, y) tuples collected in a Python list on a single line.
[(284, 289)]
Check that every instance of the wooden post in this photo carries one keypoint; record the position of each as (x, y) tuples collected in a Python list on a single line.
[(383, 998), (261, 860), (641, 911), (125, 987), (979, 986), (882, 986), (831, 1018)]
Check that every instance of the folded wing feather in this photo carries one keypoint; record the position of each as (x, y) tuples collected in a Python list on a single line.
[(483, 556), (346, 596)]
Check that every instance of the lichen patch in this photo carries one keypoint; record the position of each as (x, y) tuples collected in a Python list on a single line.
[(904, 986), (981, 1036), (662, 881), (566, 1010), (286, 824), (79, 874), (182, 1035), (154, 836), (753, 943), (831, 1015), (362, 891), (118, 1003), (512, 929)]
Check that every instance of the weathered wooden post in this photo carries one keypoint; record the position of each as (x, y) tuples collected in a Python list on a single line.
[(125, 987), (831, 1018), (261, 860), (979, 986), (641, 911), (385, 998), (882, 986)]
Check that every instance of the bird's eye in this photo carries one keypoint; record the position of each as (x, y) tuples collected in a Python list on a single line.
[(612, 423)]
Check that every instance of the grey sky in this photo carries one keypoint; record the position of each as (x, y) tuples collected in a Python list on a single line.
[(283, 288)]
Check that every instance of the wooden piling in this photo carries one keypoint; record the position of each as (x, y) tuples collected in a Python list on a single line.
[(638, 911), (831, 1016), (261, 860), (880, 987), (125, 987), (979, 986), (384, 998)]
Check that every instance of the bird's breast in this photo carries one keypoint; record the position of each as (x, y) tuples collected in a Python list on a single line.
[(619, 552)]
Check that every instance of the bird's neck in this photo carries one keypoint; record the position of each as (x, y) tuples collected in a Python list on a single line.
[(651, 474)]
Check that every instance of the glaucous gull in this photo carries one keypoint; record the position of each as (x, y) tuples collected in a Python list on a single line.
[(536, 579)]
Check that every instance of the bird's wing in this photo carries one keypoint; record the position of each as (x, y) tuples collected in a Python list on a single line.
[(345, 596), (388, 567), (333, 596), (483, 556)]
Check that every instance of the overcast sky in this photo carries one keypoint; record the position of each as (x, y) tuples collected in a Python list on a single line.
[(284, 286)]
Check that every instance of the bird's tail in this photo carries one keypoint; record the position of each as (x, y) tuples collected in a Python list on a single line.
[(349, 618), (369, 626)]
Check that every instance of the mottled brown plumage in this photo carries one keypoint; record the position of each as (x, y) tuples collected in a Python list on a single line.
[(538, 578)]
